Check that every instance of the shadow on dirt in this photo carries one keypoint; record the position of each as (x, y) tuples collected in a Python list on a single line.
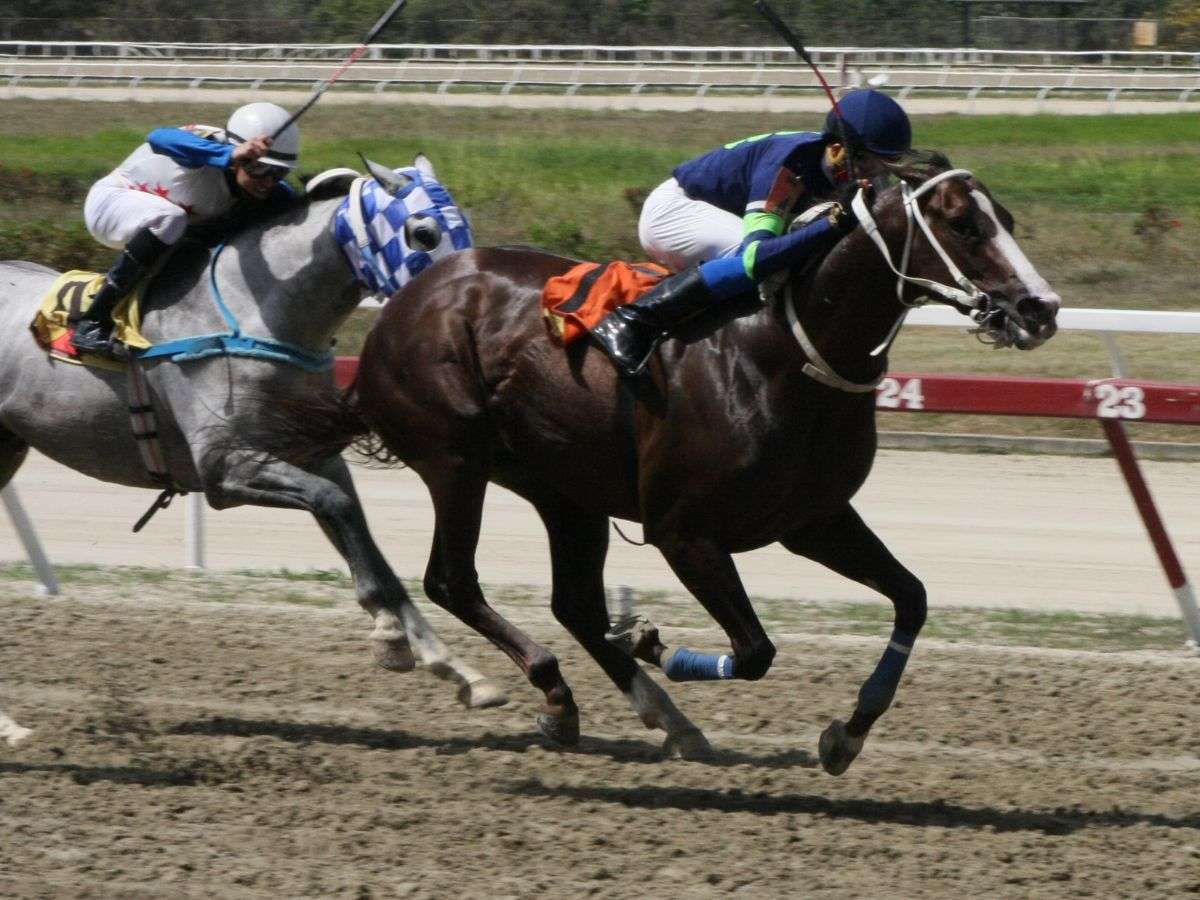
[(619, 750), (933, 813)]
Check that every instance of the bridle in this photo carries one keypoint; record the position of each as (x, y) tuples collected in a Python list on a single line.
[(966, 295)]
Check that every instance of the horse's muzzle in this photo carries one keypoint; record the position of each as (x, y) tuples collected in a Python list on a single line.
[(1025, 323)]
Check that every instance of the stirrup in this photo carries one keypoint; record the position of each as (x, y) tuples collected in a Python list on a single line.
[(98, 340), (110, 349)]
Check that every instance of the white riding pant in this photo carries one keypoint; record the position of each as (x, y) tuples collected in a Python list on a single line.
[(680, 232), (115, 212)]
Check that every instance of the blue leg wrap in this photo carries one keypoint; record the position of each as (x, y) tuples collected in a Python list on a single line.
[(684, 665), (877, 693)]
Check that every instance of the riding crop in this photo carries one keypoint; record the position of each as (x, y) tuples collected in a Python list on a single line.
[(358, 51), (793, 39)]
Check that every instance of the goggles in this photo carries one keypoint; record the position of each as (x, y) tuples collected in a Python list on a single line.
[(260, 169)]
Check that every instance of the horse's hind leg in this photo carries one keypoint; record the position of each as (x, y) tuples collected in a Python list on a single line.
[(847, 546), (578, 546), (457, 490), (328, 493), (474, 689), (13, 451)]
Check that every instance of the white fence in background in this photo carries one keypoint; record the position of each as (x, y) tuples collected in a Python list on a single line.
[(589, 53), (570, 70)]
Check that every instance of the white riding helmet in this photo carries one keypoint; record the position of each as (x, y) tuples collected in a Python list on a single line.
[(263, 120)]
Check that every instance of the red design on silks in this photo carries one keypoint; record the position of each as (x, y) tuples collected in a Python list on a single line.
[(162, 191), (143, 186), (787, 189)]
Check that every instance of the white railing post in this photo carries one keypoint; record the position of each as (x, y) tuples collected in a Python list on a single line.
[(193, 537), (33, 547)]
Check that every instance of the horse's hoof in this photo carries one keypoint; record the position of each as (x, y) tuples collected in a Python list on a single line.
[(562, 730), (837, 749), (690, 744), (392, 652), (482, 694)]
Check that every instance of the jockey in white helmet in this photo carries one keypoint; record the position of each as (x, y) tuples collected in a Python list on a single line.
[(179, 177)]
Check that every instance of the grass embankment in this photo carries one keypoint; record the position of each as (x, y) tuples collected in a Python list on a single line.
[(326, 589), (1108, 208)]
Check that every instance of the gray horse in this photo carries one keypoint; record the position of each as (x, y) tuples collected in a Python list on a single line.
[(285, 280)]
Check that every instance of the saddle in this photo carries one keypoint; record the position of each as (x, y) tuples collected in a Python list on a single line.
[(575, 302), (68, 298)]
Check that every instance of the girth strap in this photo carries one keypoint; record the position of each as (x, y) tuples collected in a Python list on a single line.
[(145, 431)]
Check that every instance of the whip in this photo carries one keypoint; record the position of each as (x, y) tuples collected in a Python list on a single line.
[(358, 51), (796, 44)]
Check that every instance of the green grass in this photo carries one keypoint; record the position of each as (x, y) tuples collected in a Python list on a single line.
[(318, 588), (1108, 207), (327, 588)]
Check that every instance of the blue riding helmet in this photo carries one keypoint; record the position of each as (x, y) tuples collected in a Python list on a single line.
[(873, 121)]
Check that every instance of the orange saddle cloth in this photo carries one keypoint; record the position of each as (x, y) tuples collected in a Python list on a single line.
[(573, 303)]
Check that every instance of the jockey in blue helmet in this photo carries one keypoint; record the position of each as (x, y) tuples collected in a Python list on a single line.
[(721, 220)]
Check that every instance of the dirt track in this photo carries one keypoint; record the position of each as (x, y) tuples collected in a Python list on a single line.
[(192, 749), (248, 749)]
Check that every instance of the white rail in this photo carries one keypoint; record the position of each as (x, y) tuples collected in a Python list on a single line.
[(702, 79), (957, 56), (1103, 320)]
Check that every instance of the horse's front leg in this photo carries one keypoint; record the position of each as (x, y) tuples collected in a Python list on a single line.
[(328, 493), (847, 546), (709, 574)]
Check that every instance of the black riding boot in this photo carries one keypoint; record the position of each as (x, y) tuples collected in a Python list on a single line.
[(93, 331), (630, 333)]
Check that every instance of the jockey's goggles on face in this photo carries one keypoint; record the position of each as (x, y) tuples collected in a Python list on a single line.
[(258, 169)]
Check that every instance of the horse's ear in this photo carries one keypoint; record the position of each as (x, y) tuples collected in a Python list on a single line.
[(424, 166), (389, 180)]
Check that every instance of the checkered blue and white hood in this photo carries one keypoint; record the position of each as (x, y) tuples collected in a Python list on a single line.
[(379, 253)]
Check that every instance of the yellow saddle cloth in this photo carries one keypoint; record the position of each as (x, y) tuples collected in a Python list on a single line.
[(68, 298)]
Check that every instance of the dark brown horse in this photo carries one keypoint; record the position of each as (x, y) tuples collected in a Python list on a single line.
[(756, 432)]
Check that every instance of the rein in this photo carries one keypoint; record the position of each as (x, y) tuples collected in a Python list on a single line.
[(233, 342)]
